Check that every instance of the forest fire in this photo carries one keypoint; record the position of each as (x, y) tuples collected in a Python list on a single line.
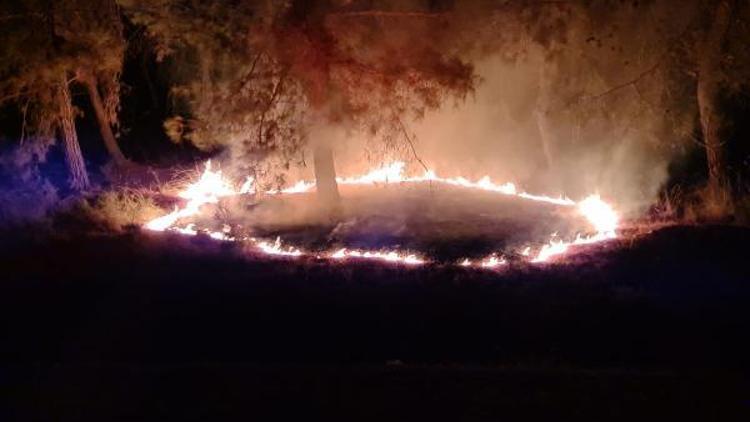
[(211, 187), (374, 209), (207, 190), (392, 256)]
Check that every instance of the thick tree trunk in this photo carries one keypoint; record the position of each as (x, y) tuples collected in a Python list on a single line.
[(79, 179), (311, 62), (708, 96), (104, 127), (325, 176)]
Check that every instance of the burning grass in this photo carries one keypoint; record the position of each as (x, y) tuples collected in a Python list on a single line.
[(391, 217)]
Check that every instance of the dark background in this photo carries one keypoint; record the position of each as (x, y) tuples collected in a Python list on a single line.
[(143, 326)]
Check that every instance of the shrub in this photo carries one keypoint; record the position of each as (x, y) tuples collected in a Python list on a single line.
[(116, 210)]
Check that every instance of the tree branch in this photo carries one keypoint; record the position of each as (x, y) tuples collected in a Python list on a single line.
[(411, 144), (630, 82), (388, 14), (9, 97), (248, 77), (440, 15), (21, 16), (274, 95), (24, 120)]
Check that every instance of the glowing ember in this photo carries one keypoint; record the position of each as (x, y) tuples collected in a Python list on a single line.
[(211, 187), (554, 247), (276, 248), (492, 262), (392, 256)]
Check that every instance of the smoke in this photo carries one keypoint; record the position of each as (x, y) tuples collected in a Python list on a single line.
[(569, 101), (498, 132)]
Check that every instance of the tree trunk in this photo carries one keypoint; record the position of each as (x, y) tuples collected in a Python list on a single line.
[(545, 137), (325, 176), (542, 115), (104, 127), (79, 179), (708, 96)]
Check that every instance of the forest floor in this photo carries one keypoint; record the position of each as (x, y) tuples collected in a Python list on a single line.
[(114, 326)]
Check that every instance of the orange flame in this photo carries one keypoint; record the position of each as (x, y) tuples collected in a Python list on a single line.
[(390, 256), (212, 186), (207, 190)]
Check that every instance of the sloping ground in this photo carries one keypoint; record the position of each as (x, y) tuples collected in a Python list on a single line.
[(116, 325)]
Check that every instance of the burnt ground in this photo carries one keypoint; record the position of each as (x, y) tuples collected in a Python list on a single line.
[(444, 224), (157, 326)]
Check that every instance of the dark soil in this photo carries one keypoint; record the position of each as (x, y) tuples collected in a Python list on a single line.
[(143, 326)]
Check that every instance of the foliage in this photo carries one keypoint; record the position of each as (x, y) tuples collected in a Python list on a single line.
[(262, 73), (256, 77), (70, 37)]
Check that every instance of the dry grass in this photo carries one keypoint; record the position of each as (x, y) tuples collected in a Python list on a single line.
[(701, 205), (670, 204), (133, 200), (121, 208), (709, 205)]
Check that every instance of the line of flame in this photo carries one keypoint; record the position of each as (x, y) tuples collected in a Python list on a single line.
[(390, 256), (394, 174), (211, 187)]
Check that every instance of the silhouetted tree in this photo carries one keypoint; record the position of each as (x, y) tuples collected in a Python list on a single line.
[(289, 65), (625, 62), (49, 45)]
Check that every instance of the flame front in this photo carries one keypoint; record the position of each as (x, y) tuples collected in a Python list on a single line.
[(600, 214), (207, 190), (211, 187), (390, 256), (394, 173), (276, 248)]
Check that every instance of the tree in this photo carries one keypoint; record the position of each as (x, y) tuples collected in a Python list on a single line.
[(66, 115), (601, 85), (75, 42), (710, 54), (705, 41), (306, 62), (645, 68), (226, 91), (255, 76)]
